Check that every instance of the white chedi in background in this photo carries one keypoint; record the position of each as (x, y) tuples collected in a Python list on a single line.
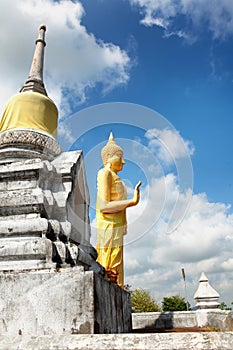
[(206, 296)]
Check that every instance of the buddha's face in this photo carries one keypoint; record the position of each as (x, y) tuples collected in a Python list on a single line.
[(117, 163)]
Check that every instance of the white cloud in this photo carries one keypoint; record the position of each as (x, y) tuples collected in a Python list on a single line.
[(197, 15), (168, 145), (201, 242), (74, 60), (65, 133)]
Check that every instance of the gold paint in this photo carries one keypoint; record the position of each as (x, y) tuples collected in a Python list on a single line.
[(30, 110), (111, 211)]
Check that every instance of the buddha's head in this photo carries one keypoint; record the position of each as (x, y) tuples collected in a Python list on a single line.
[(112, 154)]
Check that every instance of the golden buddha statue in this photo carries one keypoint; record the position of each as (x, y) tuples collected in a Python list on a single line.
[(111, 211)]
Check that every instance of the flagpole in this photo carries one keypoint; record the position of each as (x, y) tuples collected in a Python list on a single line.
[(185, 288)]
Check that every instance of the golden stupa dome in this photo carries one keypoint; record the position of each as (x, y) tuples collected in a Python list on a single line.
[(32, 108), (28, 127)]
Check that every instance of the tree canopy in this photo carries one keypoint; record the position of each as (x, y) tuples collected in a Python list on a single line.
[(142, 301), (174, 303), (223, 306)]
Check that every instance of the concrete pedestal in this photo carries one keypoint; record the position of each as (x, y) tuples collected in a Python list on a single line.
[(59, 302)]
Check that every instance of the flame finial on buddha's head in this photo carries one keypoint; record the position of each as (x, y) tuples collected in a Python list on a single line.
[(111, 149)]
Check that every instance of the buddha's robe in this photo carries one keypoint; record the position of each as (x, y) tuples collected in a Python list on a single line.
[(111, 227)]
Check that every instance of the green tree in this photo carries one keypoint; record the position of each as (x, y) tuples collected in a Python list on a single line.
[(223, 306), (142, 301), (174, 303)]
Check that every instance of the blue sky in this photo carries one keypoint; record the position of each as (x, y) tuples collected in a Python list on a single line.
[(188, 83), (171, 57)]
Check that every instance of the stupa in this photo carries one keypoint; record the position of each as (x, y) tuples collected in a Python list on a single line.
[(29, 122), (206, 296), (50, 282)]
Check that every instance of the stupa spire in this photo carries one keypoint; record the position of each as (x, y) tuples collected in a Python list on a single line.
[(35, 78)]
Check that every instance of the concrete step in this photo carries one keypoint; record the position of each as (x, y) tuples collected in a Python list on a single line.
[(174, 341)]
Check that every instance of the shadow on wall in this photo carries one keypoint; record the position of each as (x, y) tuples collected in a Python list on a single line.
[(205, 320), (146, 322)]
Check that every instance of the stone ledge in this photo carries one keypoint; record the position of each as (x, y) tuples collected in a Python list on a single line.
[(215, 318), (174, 341), (24, 248), (25, 227), (30, 139)]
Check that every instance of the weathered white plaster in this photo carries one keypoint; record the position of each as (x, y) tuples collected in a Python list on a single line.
[(216, 319), (158, 341), (61, 301), (48, 200), (206, 296)]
